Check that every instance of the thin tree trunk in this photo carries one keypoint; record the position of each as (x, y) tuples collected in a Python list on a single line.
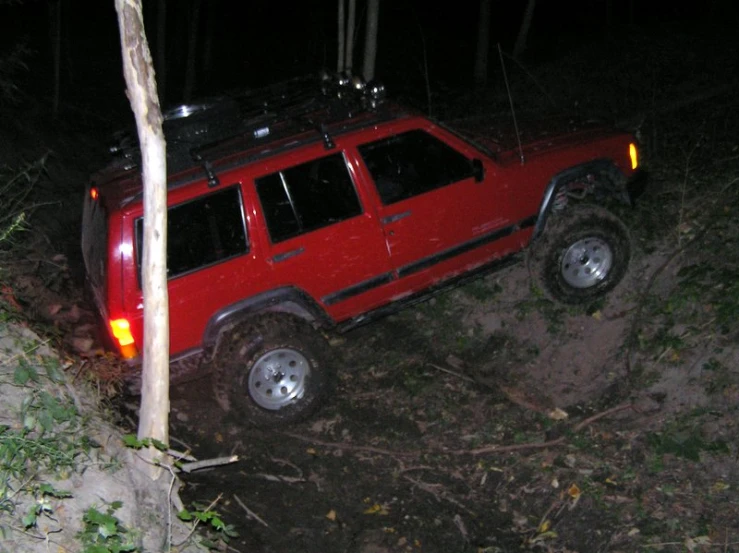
[(523, 32), (342, 38), (370, 39), (211, 10), (483, 44), (161, 66), (142, 94), (55, 15), (348, 65), (192, 49)]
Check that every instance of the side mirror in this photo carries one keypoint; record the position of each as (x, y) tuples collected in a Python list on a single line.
[(478, 171)]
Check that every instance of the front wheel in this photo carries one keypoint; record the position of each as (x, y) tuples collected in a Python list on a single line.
[(273, 369), (583, 254)]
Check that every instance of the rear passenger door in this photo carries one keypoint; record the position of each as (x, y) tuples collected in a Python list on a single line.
[(321, 238)]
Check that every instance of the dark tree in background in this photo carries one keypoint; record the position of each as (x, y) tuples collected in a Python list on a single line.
[(370, 39), (523, 32), (192, 50), (161, 65), (483, 44)]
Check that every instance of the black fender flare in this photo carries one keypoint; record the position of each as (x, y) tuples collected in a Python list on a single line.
[(614, 184), (287, 299)]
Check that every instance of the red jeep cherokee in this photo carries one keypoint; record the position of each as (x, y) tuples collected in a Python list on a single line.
[(299, 208)]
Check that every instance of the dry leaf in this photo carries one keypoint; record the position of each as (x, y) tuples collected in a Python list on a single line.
[(558, 414), (331, 515), (376, 509)]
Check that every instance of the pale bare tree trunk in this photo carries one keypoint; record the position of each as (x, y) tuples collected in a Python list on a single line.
[(342, 38), (142, 94), (162, 49), (483, 44), (350, 36), (523, 31), (192, 49), (370, 39)]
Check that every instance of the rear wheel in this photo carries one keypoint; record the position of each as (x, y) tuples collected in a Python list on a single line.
[(273, 369), (583, 254)]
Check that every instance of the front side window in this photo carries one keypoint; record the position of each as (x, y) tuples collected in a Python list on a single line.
[(201, 232), (307, 197), (412, 163)]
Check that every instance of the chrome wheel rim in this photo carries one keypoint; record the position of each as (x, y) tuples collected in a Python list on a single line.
[(586, 263), (278, 378)]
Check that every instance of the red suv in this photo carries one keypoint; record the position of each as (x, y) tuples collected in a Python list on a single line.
[(302, 208)]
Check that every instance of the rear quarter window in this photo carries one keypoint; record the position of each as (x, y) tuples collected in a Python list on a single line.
[(95, 240), (201, 232)]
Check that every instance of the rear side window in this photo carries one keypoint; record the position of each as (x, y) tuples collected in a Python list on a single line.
[(201, 232), (95, 240), (307, 197), (412, 163)]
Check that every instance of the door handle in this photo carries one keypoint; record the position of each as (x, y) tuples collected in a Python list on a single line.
[(397, 217), (287, 255)]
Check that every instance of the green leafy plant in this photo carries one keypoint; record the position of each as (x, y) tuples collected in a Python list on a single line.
[(202, 514), (104, 533), (130, 440), (42, 505)]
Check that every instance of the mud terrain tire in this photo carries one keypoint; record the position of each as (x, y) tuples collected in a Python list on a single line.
[(273, 369), (583, 254)]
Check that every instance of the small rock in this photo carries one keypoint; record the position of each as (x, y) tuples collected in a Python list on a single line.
[(82, 345)]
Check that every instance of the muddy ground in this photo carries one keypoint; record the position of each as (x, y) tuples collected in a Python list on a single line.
[(488, 419)]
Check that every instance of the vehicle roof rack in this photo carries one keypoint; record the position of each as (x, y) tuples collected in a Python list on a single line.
[(201, 133)]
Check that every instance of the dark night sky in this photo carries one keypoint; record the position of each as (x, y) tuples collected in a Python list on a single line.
[(260, 41)]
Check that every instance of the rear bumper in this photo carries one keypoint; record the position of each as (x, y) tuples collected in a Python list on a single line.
[(101, 319)]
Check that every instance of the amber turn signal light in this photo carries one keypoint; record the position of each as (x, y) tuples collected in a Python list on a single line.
[(634, 155), (121, 330)]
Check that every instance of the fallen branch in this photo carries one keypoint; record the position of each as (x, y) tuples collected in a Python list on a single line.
[(476, 451), (277, 478), (249, 513), (431, 488), (455, 373), (357, 448), (205, 463)]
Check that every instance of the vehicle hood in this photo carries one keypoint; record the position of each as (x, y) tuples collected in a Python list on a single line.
[(537, 136)]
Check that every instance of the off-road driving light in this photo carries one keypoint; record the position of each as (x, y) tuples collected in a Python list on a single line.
[(634, 155), (121, 330)]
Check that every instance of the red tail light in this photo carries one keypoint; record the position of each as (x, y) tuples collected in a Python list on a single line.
[(121, 330)]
